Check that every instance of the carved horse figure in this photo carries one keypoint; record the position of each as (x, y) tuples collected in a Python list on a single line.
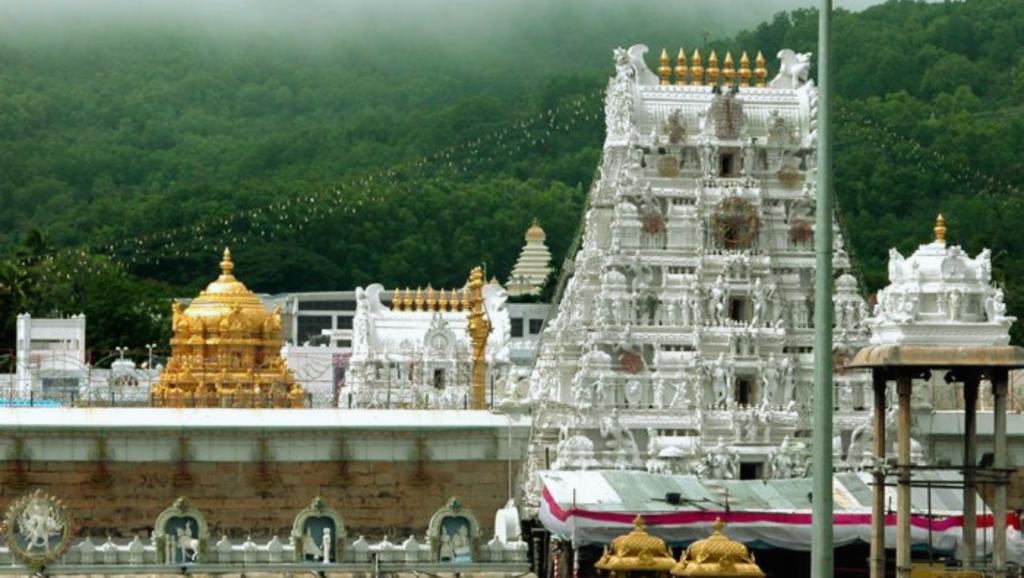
[(795, 69), (187, 543)]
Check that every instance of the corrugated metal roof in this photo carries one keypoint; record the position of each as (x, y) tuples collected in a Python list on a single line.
[(636, 491)]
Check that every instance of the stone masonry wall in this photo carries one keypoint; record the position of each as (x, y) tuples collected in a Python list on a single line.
[(396, 498)]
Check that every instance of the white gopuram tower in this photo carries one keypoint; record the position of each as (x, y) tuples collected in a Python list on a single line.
[(683, 342), (533, 266)]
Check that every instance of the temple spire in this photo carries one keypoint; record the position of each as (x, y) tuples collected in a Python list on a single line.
[(940, 230), (226, 265)]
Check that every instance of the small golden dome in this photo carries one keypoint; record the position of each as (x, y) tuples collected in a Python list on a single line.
[(225, 296), (717, 556), (637, 550), (535, 233)]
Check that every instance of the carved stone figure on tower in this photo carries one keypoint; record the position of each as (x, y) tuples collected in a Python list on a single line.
[(620, 441), (716, 305), (721, 371), (795, 69)]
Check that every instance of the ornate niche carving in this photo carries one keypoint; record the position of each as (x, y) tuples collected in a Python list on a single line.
[(318, 534), (735, 223), (454, 534), (180, 534)]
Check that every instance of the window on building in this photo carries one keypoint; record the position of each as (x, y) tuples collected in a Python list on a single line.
[(59, 383), (330, 305), (344, 322), (310, 326), (535, 326), (743, 387), (751, 471), (517, 327), (727, 165), (740, 309), (439, 379)]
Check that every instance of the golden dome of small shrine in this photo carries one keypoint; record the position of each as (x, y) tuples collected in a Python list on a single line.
[(226, 352), (638, 552), (717, 555), (535, 233)]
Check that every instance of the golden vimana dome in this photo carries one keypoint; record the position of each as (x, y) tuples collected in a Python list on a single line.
[(535, 233), (717, 556), (226, 352), (635, 551)]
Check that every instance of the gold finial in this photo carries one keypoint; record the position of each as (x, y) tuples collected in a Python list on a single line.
[(225, 264), (442, 303), (713, 69), (431, 301), (638, 522), (681, 68), (728, 71), (718, 525), (419, 299), (454, 301), (663, 68), (760, 73), (396, 300), (465, 297), (696, 70), (407, 302), (744, 70), (940, 230)]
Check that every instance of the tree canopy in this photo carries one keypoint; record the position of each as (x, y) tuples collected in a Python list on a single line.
[(128, 161)]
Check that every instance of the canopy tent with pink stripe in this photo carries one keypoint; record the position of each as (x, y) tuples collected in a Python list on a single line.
[(593, 507)]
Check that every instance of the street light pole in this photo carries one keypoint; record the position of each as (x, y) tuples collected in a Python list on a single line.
[(497, 411), (822, 539)]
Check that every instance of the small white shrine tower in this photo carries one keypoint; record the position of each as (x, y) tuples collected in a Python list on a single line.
[(534, 264)]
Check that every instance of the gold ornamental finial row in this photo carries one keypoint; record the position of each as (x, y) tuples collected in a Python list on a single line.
[(431, 300), (694, 74)]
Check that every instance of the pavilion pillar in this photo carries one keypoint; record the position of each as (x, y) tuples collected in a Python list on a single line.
[(877, 563), (970, 542), (904, 383), (999, 387)]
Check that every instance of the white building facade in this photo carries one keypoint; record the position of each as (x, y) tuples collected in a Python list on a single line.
[(418, 353)]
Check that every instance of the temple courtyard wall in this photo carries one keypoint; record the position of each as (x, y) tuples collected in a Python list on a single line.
[(252, 471)]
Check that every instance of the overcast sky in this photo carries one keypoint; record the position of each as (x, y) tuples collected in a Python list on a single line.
[(263, 15)]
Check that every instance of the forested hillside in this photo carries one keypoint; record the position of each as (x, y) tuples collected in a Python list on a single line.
[(129, 159)]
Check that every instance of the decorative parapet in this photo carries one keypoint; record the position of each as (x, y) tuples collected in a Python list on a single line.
[(180, 539), (318, 533)]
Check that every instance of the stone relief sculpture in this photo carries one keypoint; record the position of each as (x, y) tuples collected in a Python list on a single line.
[(37, 528), (722, 462), (620, 441)]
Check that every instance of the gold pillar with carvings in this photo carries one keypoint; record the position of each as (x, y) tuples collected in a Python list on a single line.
[(479, 329)]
